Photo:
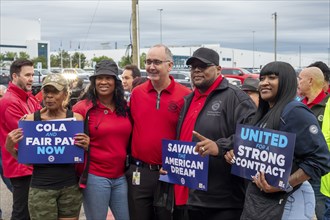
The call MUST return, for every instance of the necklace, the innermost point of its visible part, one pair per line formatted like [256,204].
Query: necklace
[105,112]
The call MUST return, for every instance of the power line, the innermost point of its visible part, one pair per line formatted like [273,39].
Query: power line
[90,25]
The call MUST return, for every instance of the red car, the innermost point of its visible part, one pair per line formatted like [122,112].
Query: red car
[237,73]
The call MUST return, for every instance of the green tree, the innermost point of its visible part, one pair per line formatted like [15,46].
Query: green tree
[55,60]
[23,55]
[75,60]
[98,59]
[125,60]
[41,59]
[143,58]
[10,55]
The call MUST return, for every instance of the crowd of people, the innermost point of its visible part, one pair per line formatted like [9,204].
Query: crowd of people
[126,120]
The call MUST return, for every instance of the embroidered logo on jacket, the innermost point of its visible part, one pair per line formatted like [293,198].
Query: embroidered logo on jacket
[215,109]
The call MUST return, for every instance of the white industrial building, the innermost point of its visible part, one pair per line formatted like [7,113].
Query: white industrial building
[21,35]
[229,57]
[18,35]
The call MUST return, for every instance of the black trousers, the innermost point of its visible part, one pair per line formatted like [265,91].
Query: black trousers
[141,197]
[21,187]
[198,213]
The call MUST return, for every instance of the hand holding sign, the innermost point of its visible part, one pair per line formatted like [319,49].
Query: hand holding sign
[261,182]
[12,139]
[230,157]
[205,146]
[82,140]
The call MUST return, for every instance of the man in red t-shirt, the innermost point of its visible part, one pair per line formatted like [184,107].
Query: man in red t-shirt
[155,107]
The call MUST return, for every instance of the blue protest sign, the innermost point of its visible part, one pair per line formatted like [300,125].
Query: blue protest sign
[47,142]
[260,149]
[184,166]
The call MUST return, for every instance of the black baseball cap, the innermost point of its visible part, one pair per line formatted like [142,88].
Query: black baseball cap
[205,55]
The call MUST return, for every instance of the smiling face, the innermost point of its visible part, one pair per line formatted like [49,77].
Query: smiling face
[203,75]
[158,65]
[268,88]
[24,79]
[104,85]
[52,98]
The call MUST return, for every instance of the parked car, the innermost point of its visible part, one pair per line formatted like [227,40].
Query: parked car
[73,73]
[237,73]
[235,82]
[4,77]
[182,77]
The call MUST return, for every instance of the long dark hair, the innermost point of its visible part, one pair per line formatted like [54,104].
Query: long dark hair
[120,102]
[287,90]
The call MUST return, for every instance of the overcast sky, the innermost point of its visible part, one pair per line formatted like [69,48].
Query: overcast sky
[304,24]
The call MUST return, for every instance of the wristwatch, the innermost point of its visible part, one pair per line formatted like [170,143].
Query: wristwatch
[288,188]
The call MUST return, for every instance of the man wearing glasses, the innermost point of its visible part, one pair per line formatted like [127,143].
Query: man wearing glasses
[212,112]
[155,107]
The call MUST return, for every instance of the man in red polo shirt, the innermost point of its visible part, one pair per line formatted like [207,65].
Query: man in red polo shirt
[311,85]
[155,107]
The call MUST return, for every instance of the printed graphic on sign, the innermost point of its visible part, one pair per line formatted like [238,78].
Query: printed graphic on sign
[47,142]
[259,149]
[184,166]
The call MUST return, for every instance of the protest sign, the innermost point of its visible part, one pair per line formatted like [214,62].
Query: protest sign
[47,142]
[259,149]
[183,165]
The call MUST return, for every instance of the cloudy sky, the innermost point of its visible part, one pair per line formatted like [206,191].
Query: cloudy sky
[99,23]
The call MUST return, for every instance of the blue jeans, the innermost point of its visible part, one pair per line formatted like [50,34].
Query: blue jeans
[102,193]
[327,209]
[319,198]
[301,204]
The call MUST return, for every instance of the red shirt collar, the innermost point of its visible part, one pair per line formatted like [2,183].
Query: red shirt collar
[169,89]
[317,100]
[210,89]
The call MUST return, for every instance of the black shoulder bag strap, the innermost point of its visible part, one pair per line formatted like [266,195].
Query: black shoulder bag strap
[84,175]
[37,116]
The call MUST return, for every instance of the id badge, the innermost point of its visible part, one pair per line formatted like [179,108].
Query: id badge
[136,178]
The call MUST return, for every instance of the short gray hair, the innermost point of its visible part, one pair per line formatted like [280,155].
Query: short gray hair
[168,52]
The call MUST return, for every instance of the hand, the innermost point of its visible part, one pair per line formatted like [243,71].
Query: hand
[230,157]
[82,140]
[162,171]
[260,180]
[12,139]
[205,146]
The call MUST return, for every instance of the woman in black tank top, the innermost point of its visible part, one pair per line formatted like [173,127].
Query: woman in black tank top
[54,191]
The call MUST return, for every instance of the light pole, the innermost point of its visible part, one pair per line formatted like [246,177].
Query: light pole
[275,37]
[253,47]
[160,24]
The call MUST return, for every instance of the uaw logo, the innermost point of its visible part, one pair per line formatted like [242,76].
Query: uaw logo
[215,109]
[182,180]
[51,158]
[173,107]
[313,129]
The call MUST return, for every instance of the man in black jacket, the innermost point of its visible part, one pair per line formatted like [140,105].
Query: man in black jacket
[212,112]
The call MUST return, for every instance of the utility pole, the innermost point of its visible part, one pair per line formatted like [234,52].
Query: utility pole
[275,37]
[135,50]
[299,56]
[253,46]
[160,25]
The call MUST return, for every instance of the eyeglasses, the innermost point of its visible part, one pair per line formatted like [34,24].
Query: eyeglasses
[200,66]
[156,62]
